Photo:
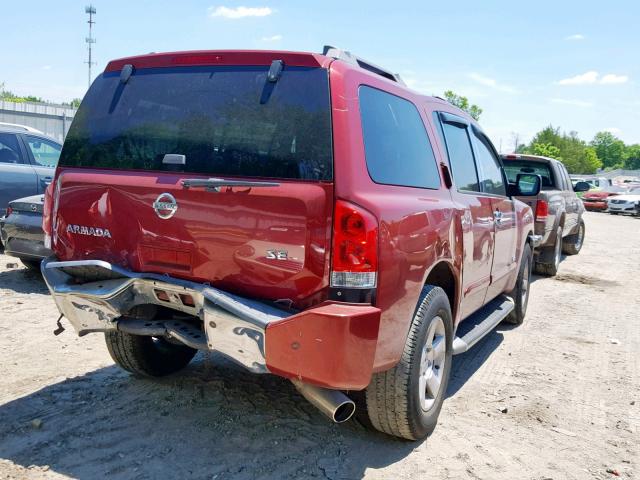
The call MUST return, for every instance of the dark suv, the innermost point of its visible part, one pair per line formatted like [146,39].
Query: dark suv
[27,162]
[306,215]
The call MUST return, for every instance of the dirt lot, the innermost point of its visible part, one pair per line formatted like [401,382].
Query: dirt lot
[558,398]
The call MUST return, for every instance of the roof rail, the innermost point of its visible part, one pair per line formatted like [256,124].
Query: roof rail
[348,57]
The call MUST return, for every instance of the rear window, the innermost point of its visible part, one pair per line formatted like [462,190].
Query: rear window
[225,120]
[513,167]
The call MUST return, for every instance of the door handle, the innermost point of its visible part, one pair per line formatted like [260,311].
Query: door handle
[46,181]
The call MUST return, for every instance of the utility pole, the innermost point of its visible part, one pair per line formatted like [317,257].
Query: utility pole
[91,10]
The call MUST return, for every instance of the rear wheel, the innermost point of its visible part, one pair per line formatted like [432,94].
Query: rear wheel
[573,243]
[520,294]
[147,356]
[405,401]
[551,269]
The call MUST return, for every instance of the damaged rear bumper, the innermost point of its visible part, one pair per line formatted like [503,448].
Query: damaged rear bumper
[331,345]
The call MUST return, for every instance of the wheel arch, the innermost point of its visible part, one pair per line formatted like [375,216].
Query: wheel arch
[442,275]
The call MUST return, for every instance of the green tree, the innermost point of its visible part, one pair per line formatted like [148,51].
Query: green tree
[591,163]
[610,149]
[75,103]
[632,157]
[463,104]
[576,155]
[544,150]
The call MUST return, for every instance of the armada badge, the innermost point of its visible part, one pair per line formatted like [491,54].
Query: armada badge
[165,206]
[89,231]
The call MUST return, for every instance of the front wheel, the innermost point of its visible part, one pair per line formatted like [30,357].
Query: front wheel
[573,243]
[405,401]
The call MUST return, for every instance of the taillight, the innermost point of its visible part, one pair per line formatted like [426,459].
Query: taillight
[542,210]
[9,212]
[47,208]
[355,247]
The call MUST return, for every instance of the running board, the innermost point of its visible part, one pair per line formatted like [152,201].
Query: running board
[479,324]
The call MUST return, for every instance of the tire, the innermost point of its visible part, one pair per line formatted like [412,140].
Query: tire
[551,269]
[33,265]
[614,213]
[393,398]
[573,243]
[520,294]
[147,356]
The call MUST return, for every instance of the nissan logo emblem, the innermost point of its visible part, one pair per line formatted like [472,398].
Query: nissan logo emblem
[165,206]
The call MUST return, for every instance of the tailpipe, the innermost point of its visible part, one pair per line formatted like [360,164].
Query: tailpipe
[333,403]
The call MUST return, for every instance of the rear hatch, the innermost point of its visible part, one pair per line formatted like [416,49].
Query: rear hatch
[209,173]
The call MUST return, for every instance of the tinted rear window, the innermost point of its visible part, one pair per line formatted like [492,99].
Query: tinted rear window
[397,148]
[513,167]
[225,120]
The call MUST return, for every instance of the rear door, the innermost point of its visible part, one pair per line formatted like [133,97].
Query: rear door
[17,177]
[134,188]
[493,184]
[477,213]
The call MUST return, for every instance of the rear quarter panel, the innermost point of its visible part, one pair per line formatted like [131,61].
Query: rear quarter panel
[417,226]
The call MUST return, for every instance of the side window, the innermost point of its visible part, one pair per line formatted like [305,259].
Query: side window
[45,153]
[10,149]
[397,148]
[491,179]
[463,167]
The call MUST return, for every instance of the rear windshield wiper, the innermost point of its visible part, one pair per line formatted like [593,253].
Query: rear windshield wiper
[216,183]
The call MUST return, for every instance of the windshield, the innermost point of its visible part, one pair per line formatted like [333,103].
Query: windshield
[224,120]
[513,167]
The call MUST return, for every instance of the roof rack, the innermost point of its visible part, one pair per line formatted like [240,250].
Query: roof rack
[348,57]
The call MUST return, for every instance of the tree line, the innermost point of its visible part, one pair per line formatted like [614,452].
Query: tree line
[604,151]
[12,97]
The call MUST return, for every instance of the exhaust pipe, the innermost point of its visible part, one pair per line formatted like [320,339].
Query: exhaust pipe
[333,403]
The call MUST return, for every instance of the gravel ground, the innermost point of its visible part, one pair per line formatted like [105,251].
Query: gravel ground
[557,398]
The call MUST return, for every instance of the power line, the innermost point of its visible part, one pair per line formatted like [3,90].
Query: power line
[91,10]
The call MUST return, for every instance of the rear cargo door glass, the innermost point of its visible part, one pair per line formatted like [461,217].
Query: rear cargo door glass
[225,120]
[513,167]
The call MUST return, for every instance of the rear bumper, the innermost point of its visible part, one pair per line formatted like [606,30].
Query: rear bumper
[23,237]
[595,206]
[332,345]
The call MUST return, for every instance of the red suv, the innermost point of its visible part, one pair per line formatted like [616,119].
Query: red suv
[305,215]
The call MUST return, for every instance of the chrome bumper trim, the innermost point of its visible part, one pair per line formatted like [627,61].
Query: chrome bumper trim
[233,325]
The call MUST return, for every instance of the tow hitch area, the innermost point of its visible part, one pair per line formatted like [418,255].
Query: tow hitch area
[184,332]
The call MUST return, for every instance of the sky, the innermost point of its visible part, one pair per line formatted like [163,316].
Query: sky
[572,64]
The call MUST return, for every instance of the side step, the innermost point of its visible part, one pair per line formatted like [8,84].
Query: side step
[479,324]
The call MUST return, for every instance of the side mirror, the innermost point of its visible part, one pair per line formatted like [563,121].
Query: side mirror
[581,187]
[528,184]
